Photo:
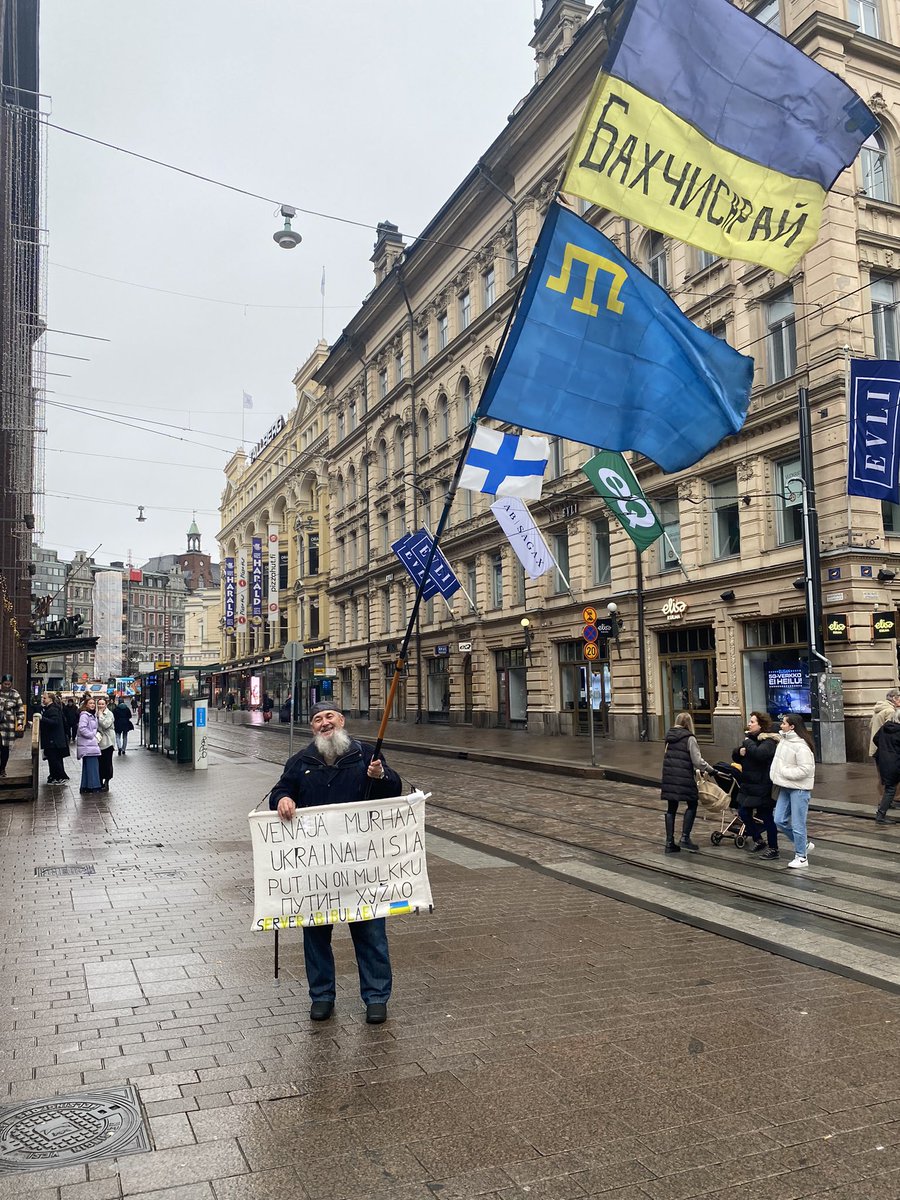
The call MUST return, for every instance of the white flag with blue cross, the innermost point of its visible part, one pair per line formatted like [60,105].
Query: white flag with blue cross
[505,465]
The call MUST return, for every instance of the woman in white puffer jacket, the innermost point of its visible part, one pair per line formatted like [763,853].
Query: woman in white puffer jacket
[793,772]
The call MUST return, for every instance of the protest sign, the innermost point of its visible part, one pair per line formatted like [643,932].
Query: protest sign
[339,863]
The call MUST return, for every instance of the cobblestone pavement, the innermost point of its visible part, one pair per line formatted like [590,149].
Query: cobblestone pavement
[543,1041]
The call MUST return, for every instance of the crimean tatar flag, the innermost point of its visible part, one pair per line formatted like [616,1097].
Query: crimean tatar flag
[601,354]
[707,125]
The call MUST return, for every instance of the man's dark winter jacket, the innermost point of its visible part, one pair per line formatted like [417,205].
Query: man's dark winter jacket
[887,756]
[53,730]
[756,783]
[310,782]
[678,780]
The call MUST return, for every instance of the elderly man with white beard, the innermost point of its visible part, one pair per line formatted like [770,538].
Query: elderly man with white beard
[335,769]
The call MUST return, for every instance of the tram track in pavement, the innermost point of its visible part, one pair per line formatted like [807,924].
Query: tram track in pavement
[843,909]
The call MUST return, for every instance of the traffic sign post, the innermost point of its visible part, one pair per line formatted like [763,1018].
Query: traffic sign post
[591,633]
[292,651]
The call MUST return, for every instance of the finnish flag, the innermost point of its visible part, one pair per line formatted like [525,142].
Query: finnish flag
[505,465]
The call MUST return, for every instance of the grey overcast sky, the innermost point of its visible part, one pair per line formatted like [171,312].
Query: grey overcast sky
[368,109]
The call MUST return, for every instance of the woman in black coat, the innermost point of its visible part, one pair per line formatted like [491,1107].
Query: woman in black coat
[755,755]
[682,758]
[54,737]
[123,724]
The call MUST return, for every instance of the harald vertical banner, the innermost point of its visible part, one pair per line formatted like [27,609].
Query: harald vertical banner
[256,580]
[242,564]
[229,595]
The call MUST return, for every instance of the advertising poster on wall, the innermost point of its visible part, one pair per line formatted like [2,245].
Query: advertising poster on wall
[787,688]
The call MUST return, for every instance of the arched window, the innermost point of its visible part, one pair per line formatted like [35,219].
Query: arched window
[657,262]
[443,419]
[424,432]
[351,484]
[465,398]
[339,490]
[874,163]
[382,459]
[399,450]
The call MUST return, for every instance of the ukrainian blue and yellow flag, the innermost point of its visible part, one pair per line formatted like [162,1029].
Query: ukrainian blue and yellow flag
[706,125]
[601,354]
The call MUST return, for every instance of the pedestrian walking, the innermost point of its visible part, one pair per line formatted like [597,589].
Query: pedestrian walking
[71,714]
[106,725]
[794,774]
[123,724]
[87,747]
[887,760]
[229,702]
[335,769]
[887,709]
[681,759]
[54,737]
[267,705]
[756,804]
[12,719]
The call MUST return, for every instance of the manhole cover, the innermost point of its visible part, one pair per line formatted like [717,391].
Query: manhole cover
[71,1129]
[63,869]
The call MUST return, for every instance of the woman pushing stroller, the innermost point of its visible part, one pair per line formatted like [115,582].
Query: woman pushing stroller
[756,806]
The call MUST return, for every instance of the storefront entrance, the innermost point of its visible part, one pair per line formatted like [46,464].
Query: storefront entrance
[578,680]
[688,668]
[439,689]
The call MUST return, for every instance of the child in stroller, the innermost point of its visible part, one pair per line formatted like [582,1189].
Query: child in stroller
[727,777]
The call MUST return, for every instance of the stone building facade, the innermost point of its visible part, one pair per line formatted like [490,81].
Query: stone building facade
[714,616]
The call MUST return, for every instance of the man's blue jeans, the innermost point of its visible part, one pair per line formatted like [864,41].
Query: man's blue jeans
[372,960]
[790,816]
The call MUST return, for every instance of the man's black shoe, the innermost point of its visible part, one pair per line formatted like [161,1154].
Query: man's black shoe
[881,819]
[321,1010]
[376,1014]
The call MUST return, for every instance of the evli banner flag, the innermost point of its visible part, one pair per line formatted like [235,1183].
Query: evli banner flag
[709,126]
[524,536]
[413,550]
[615,481]
[601,354]
[873,458]
[340,863]
[504,464]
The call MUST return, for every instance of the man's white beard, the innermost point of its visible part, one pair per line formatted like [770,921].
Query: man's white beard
[334,747]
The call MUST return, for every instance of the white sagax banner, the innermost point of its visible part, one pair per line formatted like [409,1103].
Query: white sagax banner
[524,536]
[340,863]
[272,599]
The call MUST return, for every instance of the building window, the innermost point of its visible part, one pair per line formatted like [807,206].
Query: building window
[471,568]
[313,554]
[497,581]
[873,161]
[489,285]
[520,582]
[602,559]
[465,309]
[561,570]
[382,459]
[706,258]
[351,412]
[726,518]
[781,337]
[443,328]
[382,383]
[789,511]
[351,551]
[769,14]
[465,398]
[424,432]
[657,262]
[400,366]
[556,464]
[399,450]
[385,533]
[890,517]
[443,419]
[341,425]
[864,13]
[883,294]
[423,347]
[351,484]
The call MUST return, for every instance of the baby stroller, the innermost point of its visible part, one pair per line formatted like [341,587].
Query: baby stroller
[718,795]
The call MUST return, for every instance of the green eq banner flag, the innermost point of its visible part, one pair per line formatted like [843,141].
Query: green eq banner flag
[616,483]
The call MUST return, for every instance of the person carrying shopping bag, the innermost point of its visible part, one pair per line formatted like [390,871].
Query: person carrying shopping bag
[793,772]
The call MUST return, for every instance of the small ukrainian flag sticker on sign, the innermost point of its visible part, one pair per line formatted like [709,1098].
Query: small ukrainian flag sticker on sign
[399,907]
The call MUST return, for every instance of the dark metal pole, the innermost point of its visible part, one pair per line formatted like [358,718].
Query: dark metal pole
[643,730]
[811,561]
